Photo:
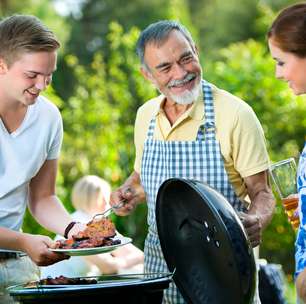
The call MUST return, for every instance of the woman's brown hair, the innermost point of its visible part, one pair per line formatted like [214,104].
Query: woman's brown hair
[288,31]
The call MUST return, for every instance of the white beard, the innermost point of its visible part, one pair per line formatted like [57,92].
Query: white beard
[187,97]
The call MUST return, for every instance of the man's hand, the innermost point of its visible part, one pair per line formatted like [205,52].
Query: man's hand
[36,246]
[252,226]
[262,206]
[131,193]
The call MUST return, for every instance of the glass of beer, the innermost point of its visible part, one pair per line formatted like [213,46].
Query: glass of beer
[283,174]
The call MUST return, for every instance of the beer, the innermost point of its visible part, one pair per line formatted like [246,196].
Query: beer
[283,174]
[290,204]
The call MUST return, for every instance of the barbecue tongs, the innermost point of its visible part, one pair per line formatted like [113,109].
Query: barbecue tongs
[111,209]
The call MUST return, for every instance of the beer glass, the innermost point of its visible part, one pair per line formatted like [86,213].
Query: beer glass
[283,174]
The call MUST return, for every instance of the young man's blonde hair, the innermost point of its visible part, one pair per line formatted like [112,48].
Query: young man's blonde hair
[89,191]
[24,34]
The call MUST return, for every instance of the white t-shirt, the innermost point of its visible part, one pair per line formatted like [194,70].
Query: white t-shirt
[22,154]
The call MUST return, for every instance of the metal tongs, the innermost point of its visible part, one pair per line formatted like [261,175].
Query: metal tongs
[111,209]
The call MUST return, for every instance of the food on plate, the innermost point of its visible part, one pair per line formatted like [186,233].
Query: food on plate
[98,228]
[99,232]
[62,280]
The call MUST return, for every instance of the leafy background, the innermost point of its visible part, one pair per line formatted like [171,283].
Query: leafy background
[98,89]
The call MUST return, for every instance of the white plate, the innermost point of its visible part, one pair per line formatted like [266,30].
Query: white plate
[95,250]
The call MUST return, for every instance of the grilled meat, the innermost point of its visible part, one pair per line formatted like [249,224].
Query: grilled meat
[103,228]
[62,280]
[97,233]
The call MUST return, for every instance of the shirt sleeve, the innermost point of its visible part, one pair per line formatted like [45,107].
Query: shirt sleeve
[250,155]
[300,253]
[56,141]
[300,244]
[139,142]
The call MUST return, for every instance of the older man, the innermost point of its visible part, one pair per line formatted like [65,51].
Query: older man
[193,130]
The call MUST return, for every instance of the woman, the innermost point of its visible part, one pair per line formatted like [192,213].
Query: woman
[287,43]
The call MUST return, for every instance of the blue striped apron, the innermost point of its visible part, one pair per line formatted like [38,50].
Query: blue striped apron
[200,160]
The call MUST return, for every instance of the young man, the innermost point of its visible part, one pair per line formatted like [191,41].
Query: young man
[30,140]
[196,131]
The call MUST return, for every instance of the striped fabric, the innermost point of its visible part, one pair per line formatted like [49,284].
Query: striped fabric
[200,160]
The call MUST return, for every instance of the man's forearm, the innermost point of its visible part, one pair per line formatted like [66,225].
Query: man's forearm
[263,205]
[10,239]
[262,199]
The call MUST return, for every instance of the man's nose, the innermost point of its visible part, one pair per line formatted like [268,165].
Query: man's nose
[179,71]
[42,82]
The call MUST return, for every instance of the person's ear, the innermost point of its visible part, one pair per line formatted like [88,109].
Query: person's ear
[3,66]
[147,74]
[196,49]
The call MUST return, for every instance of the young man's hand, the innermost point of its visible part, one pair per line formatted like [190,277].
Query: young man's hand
[37,248]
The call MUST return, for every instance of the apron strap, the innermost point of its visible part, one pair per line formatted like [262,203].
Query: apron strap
[207,130]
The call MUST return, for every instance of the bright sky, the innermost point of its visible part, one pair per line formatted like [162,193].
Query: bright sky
[65,7]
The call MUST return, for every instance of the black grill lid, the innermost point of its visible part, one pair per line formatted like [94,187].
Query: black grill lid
[203,239]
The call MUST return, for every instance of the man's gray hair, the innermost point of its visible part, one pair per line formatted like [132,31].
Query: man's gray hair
[157,33]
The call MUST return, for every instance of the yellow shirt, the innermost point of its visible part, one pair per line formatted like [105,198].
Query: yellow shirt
[238,131]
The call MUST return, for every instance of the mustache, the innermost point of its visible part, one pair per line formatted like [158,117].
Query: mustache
[177,82]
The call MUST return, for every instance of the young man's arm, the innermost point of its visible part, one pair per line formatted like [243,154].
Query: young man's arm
[49,212]
[43,202]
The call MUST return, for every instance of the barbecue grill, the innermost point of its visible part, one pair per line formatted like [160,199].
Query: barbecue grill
[130,289]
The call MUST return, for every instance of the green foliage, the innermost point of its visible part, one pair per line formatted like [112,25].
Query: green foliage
[91,28]
[222,22]
[290,292]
